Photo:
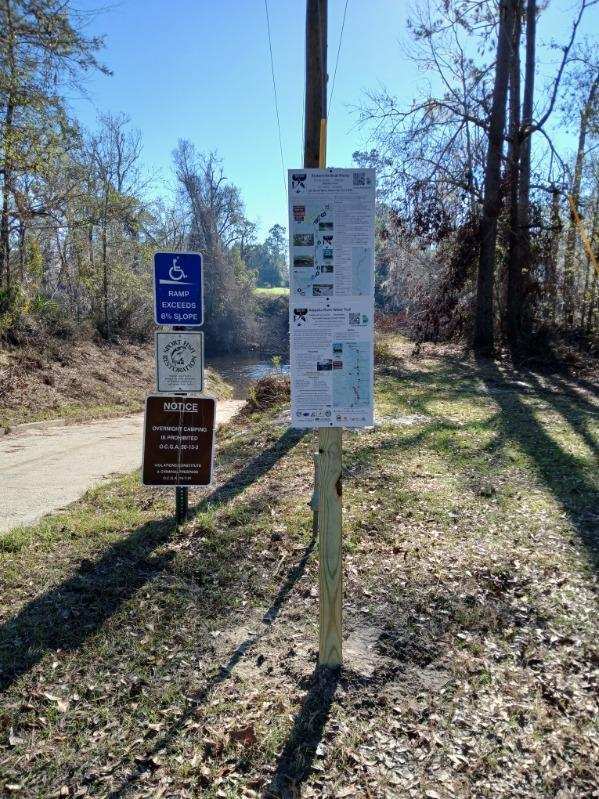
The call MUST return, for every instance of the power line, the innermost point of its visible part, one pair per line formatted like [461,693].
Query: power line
[337,59]
[274,86]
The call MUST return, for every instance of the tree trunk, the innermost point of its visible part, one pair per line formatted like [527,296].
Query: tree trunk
[518,315]
[524,260]
[6,181]
[22,233]
[513,167]
[483,332]
[592,304]
[7,147]
[551,277]
[588,300]
[105,280]
[90,242]
[570,253]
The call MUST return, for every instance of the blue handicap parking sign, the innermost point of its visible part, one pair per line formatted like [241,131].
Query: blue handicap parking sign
[178,296]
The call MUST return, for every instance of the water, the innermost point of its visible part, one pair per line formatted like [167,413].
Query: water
[240,371]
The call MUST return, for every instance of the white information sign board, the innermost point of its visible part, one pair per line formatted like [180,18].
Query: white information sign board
[331,296]
[179,362]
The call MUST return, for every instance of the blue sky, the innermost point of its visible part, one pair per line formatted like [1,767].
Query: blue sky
[200,69]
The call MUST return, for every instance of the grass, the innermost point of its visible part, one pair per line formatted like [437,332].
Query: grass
[137,660]
[71,412]
[131,400]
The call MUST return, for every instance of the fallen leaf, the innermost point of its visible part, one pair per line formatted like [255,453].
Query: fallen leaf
[14,740]
[244,735]
[155,727]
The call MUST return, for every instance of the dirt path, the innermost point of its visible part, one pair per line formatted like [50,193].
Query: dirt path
[43,470]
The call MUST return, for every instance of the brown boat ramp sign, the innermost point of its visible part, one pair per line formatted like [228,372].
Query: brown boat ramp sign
[178,441]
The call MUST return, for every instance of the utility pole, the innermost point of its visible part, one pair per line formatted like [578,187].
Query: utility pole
[328,464]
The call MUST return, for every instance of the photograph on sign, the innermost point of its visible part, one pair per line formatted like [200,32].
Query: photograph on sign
[331,306]
[178,289]
[179,361]
[178,441]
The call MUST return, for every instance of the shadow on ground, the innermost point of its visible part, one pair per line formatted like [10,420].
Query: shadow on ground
[223,673]
[64,617]
[297,757]
[560,471]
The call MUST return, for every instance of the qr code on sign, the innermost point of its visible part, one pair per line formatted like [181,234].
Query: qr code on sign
[354,319]
[359,178]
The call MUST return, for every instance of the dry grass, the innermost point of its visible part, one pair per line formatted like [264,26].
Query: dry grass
[139,661]
[269,391]
[79,380]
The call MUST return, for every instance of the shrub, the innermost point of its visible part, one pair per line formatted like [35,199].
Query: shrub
[274,389]
[13,311]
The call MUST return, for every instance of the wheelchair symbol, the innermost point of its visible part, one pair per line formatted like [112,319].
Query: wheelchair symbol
[176,272]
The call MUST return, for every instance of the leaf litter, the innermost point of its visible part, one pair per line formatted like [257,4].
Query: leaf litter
[185,665]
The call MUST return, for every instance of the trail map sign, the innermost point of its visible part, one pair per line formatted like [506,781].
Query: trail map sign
[178,441]
[180,362]
[331,296]
[178,296]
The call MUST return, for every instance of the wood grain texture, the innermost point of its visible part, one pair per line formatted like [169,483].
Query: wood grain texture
[330,542]
[314,501]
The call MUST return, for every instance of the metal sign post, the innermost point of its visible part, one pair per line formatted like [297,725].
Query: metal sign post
[178,451]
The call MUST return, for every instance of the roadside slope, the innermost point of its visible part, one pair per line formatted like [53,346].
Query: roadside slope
[79,380]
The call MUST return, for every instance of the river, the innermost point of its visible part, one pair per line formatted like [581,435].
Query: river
[240,371]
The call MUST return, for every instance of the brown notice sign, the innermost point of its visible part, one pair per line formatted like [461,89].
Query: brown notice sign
[178,441]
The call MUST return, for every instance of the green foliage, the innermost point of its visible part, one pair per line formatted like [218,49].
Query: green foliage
[20,315]
[34,261]
[269,260]
[13,306]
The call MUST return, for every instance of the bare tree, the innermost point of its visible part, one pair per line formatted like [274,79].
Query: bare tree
[41,47]
[483,326]
[216,223]
[588,112]
[114,154]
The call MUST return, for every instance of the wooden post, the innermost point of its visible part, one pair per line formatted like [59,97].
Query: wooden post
[330,546]
[328,464]
[315,501]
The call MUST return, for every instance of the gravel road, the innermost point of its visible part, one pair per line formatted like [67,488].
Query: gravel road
[43,470]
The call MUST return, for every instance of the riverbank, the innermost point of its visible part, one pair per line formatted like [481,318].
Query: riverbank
[139,661]
[86,378]
[80,380]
